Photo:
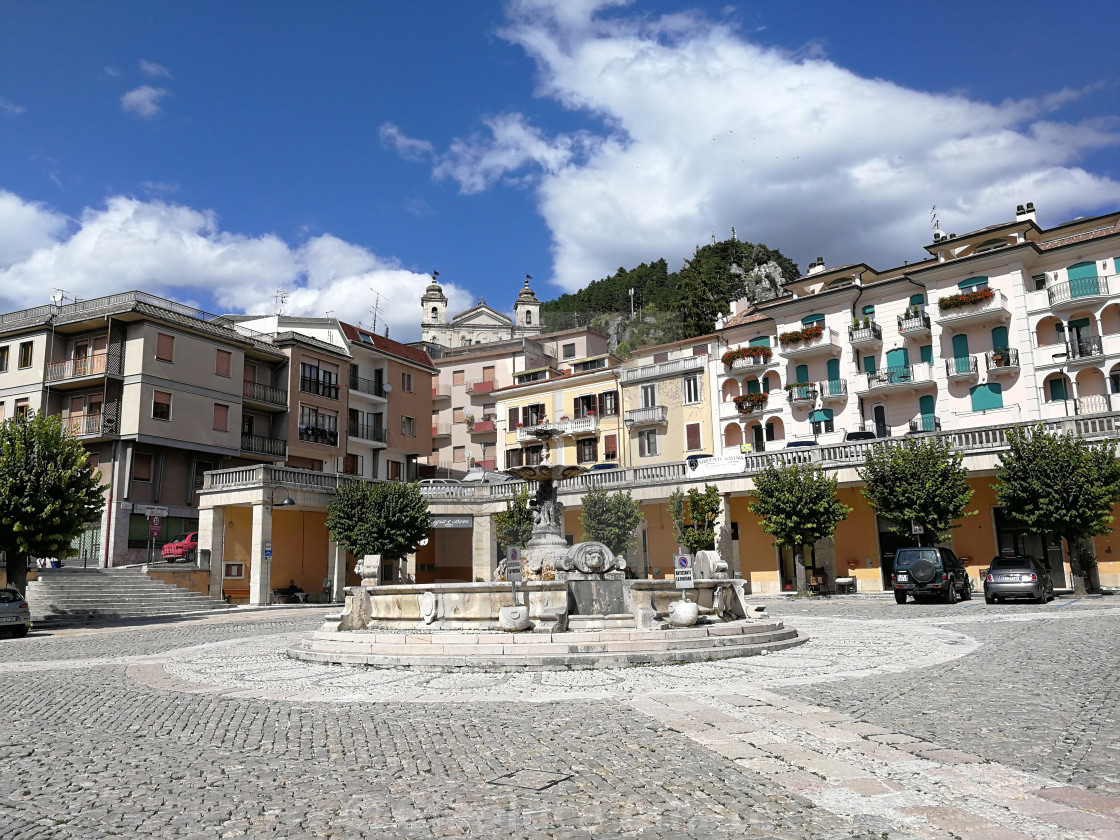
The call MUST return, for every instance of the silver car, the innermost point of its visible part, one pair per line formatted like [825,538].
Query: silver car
[15,615]
[1018,577]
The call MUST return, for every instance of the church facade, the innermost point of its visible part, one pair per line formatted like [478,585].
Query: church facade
[481,324]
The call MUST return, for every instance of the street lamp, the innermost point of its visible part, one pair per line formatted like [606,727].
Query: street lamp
[287,501]
[1061,359]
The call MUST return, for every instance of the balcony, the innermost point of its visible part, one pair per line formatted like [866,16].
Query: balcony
[1083,290]
[441,430]
[925,423]
[914,325]
[987,307]
[674,367]
[869,336]
[441,392]
[481,427]
[827,343]
[260,445]
[1094,404]
[833,390]
[962,367]
[78,368]
[483,387]
[1088,349]
[367,387]
[802,394]
[83,425]
[266,394]
[1000,362]
[900,378]
[319,435]
[318,387]
[486,464]
[654,414]
[367,431]
[749,403]
[566,428]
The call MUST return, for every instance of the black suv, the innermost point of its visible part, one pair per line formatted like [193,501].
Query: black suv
[929,571]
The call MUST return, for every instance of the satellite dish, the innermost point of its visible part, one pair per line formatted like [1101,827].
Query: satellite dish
[388,389]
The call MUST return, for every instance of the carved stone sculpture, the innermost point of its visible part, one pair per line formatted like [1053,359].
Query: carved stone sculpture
[429,606]
[591,558]
[368,568]
[683,613]
[513,619]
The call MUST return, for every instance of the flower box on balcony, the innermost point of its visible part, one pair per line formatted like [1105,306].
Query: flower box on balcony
[731,356]
[797,336]
[747,403]
[958,301]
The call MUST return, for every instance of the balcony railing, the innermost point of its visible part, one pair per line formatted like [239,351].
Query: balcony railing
[579,426]
[74,368]
[1074,290]
[482,427]
[827,342]
[645,416]
[264,393]
[913,324]
[317,434]
[483,387]
[961,366]
[754,362]
[260,445]
[833,388]
[1006,360]
[373,387]
[802,394]
[367,431]
[441,429]
[871,334]
[994,307]
[1094,404]
[925,423]
[83,425]
[899,376]
[440,392]
[1085,348]
[673,367]
[318,387]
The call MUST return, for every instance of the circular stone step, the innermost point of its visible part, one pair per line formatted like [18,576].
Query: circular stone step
[582,650]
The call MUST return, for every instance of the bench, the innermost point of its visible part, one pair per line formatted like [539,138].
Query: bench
[846,586]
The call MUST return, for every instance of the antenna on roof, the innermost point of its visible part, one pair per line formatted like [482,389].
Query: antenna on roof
[375,310]
[58,296]
[279,299]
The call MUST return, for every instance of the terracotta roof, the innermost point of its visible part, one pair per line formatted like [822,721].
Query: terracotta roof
[748,316]
[1108,230]
[386,345]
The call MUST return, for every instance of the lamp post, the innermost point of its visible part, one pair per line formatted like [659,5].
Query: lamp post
[1061,359]
[287,501]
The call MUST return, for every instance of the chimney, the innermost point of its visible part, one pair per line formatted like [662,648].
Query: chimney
[1025,213]
[816,266]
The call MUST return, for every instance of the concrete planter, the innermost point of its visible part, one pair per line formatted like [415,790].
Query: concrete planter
[683,613]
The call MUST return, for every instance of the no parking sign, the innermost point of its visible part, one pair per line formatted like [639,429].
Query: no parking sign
[513,564]
[682,571]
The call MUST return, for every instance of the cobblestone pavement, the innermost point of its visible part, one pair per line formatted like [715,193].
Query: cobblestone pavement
[204,729]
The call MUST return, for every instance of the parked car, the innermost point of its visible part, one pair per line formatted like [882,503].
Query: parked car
[15,614]
[608,465]
[932,572]
[181,547]
[794,444]
[1018,577]
[859,435]
[479,476]
[441,487]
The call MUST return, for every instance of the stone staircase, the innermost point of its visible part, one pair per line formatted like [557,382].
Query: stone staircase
[64,596]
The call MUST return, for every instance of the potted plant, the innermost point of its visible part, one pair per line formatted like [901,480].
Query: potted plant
[469,420]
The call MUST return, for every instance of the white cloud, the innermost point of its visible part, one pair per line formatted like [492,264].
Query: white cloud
[9,107]
[182,253]
[150,68]
[143,100]
[703,130]
[407,147]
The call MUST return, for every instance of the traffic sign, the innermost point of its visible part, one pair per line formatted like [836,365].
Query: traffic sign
[268,549]
[154,526]
[513,564]
[915,528]
[682,572]
[150,510]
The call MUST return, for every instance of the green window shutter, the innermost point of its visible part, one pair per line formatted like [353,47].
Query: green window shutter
[764,341]
[752,386]
[1057,389]
[985,397]
[972,283]
[960,346]
[1082,271]
[899,357]
[927,352]
[869,311]
[1079,324]
[802,373]
[820,415]
[925,405]
[812,319]
[766,385]
[999,338]
[869,364]
[917,300]
[832,368]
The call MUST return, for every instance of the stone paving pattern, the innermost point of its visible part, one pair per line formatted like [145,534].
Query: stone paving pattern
[205,729]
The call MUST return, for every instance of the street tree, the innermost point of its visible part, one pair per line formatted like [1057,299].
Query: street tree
[49,492]
[694,517]
[797,505]
[917,481]
[1060,484]
[514,525]
[611,518]
[389,518]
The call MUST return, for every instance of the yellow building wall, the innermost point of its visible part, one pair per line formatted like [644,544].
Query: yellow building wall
[758,559]
[300,545]
[238,549]
[857,541]
[1108,554]
[975,540]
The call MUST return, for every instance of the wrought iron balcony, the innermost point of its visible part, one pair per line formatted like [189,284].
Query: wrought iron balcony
[264,393]
[93,365]
[260,445]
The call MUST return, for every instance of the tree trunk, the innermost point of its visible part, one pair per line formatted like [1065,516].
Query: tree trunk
[17,571]
[799,568]
[1076,573]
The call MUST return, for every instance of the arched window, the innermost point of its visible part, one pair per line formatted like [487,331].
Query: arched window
[435,313]
[528,317]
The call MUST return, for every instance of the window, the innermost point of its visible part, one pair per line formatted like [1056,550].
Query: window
[406,382]
[1039,281]
[587,450]
[458,415]
[570,351]
[394,470]
[514,458]
[233,570]
[317,426]
[4,359]
[647,443]
[23,406]
[222,363]
[692,436]
[700,350]
[459,377]
[528,317]
[660,358]
[142,466]
[822,421]
[585,405]
[221,417]
[532,415]
[810,320]
[458,454]
[165,347]
[161,405]
[869,311]
[972,284]
[985,397]
[25,354]
[608,403]
[692,389]
[649,396]
[533,455]
[610,447]
[512,419]
[590,364]
[408,426]
[352,464]
[488,373]
[319,378]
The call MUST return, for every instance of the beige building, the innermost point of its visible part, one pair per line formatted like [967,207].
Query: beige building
[481,324]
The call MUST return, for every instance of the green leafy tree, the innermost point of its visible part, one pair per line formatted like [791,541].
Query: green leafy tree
[611,518]
[1060,484]
[694,517]
[797,505]
[389,518]
[49,493]
[514,525]
[920,481]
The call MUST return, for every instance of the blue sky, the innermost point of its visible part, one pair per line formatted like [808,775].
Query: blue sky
[216,152]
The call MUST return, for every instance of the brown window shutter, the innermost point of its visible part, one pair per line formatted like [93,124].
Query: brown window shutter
[511,421]
[692,431]
[165,345]
[641,446]
[594,449]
